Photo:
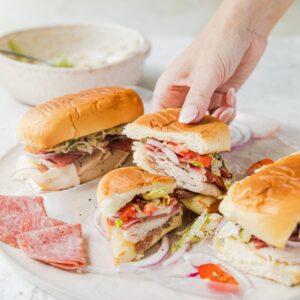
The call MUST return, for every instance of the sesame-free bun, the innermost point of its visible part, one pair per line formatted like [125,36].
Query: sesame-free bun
[267,204]
[210,135]
[120,186]
[76,115]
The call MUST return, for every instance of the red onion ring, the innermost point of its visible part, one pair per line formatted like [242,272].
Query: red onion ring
[172,259]
[293,244]
[149,261]
[97,223]
[260,126]
[240,134]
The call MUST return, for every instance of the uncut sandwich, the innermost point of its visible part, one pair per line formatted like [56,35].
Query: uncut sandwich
[187,152]
[76,138]
[137,210]
[262,234]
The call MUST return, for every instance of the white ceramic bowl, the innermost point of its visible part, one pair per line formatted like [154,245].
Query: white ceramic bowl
[103,54]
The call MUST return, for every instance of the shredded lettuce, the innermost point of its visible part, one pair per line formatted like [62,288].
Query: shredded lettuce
[87,143]
[234,231]
[158,194]
[216,164]
[203,227]
[228,182]
[118,223]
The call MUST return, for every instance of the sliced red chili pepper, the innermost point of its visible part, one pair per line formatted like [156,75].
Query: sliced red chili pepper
[258,165]
[215,274]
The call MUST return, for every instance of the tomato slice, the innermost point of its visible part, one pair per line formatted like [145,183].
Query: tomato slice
[258,165]
[128,212]
[215,273]
[192,156]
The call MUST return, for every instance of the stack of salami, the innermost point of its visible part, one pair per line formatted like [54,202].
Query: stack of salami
[24,224]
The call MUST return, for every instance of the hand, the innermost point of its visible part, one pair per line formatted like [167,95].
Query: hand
[205,75]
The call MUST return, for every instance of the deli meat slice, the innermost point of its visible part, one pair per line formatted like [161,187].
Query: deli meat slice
[12,210]
[61,246]
[37,222]
[63,159]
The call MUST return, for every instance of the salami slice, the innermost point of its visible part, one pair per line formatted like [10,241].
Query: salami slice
[37,222]
[12,209]
[61,246]
[63,159]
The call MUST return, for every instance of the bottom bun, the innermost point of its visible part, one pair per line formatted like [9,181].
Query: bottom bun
[125,251]
[201,203]
[249,260]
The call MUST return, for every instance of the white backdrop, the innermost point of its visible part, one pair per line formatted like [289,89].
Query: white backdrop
[149,16]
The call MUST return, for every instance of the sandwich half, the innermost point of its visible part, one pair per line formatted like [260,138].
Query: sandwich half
[187,152]
[76,138]
[262,234]
[137,210]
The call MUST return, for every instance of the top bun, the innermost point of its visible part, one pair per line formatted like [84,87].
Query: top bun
[267,204]
[120,186]
[76,115]
[208,136]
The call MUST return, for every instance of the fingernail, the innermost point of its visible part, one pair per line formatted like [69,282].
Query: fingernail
[227,114]
[218,112]
[230,97]
[188,113]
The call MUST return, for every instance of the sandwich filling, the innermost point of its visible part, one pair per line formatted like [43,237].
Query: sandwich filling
[188,168]
[76,156]
[141,219]
[77,149]
[234,231]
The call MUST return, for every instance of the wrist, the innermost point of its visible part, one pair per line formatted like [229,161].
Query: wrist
[255,16]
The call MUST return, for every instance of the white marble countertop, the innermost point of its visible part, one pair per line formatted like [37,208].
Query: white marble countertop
[273,90]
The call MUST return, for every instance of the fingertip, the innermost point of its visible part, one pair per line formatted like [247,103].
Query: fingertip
[191,113]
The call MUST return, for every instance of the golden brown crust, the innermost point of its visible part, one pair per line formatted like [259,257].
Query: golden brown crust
[125,179]
[75,115]
[208,136]
[267,203]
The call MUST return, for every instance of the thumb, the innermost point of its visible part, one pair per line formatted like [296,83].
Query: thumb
[197,102]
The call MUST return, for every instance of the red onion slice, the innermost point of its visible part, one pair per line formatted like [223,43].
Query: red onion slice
[293,244]
[172,259]
[149,261]
[260,126]
[240,134]
[97,223]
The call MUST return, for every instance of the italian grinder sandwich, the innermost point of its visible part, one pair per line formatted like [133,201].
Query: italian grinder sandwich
[136,210]
[76,138]
[262,235]
[187,152]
